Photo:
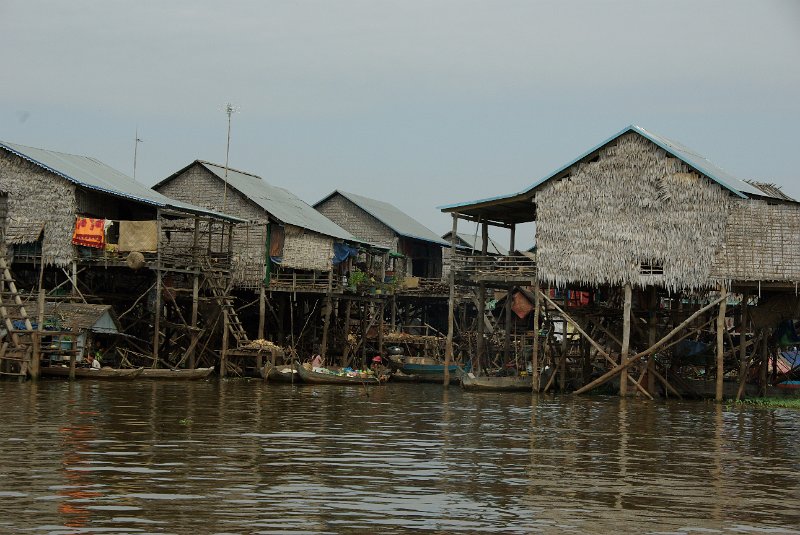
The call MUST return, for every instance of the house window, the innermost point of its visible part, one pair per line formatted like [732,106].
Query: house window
[651,267]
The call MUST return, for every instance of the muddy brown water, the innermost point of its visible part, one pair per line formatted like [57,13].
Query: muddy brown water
[241,456]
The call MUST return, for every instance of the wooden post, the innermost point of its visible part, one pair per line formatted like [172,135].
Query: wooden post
[381,312]
[262,310]
[626,339]
[480,343]
[649,351]
[721,343]
[346,347]
[195,306]
[223,364]
[651,339]
[535,353]
[451,303]
[507,339]
[157,320]
[743,328]
[394,313]
[74,291]
[366,309]
[562,361]
[764,363]
[326,318]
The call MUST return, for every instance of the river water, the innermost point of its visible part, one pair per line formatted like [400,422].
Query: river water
[241,456]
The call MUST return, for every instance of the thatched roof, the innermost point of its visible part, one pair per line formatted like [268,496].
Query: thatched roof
[517,207]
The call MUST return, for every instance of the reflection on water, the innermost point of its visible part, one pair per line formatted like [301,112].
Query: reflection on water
[244,457]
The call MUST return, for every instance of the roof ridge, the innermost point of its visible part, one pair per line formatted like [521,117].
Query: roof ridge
[206,162]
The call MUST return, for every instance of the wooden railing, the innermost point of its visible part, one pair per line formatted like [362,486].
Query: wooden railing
[494,266]
[310,281]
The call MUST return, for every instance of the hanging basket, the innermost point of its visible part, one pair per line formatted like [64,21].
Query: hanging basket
[135,260]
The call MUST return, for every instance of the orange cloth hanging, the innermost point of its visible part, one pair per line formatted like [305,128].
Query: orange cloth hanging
[89,232]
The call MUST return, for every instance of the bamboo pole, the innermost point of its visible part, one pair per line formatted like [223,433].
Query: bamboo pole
[451,303]
[626,339]
[721,344]
[652,325]
[195,307]
[652,349]
[535,352]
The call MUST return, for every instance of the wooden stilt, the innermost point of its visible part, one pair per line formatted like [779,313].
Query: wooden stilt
[223,363]
[535,352]
[480,342]
[626,339]
[262,310]
[618,369]
[721,344]
[346,346]
[652,325]
[381,313]
[562,360]
[448,351]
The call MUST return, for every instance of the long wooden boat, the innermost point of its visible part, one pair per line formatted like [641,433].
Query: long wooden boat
[280,373]
[176,374]
[491,383]
[428,370]
[312,377]
[89,373]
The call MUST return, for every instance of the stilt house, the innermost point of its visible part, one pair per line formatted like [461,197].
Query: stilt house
[417,250]
[647,223]
[76,228]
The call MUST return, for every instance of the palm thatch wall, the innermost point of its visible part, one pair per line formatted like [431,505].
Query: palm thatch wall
[762,243]
[632,207]
[38,199]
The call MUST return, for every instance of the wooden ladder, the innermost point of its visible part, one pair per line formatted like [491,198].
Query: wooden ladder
[14,357]
[216,280]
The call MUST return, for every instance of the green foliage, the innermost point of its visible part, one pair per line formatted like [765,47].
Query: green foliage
[783,403]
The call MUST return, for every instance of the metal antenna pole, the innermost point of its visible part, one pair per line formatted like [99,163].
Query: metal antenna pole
[229,110]
[135,151]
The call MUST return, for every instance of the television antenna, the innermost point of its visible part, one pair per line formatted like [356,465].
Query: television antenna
[230,109]
[136,150]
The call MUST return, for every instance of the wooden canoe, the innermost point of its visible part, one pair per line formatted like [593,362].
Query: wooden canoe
[176,374]
[496,384]
[280,373]
[309,376]
[427,370]
[89,373]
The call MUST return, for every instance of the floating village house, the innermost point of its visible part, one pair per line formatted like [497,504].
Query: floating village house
[669,246]
[414,263]
[285,247]
[76,229]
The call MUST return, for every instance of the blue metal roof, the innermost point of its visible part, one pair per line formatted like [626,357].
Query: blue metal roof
[400,222]
[281,203]
[93,174]
[737,186]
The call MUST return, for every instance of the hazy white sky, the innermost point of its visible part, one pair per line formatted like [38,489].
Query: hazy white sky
[419,103]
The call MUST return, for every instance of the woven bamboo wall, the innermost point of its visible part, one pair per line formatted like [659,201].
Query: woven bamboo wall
[762,243]
[37,198]
[307,250]
[634,205]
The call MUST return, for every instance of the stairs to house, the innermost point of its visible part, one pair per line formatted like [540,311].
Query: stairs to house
[17,344]
[218,281]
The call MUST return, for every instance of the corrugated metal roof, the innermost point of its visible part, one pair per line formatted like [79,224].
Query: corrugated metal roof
[771,190]
[93,174]
[401,223]
[279,202]
[735,185]
[475,242]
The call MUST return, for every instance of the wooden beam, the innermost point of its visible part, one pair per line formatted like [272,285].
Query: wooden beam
[451,303]
[721,344]
[535,352]
[611,373]
[626,338]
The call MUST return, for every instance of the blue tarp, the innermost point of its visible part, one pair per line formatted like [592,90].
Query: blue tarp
[342,251]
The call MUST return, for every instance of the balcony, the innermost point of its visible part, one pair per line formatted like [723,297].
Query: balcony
[515,269]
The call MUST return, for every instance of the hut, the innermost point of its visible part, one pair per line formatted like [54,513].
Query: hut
[80,230]
[645,223]
[283,248]
[414,263]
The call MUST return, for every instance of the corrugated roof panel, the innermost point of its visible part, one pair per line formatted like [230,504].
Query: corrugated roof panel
[280,203]
[93,174]
[392,217]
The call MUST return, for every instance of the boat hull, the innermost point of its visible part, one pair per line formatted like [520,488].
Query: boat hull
[282,373]
[312,377]
[178,375]
[497,384]
[110,374]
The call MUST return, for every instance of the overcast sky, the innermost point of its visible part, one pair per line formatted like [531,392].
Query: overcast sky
[419,103]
